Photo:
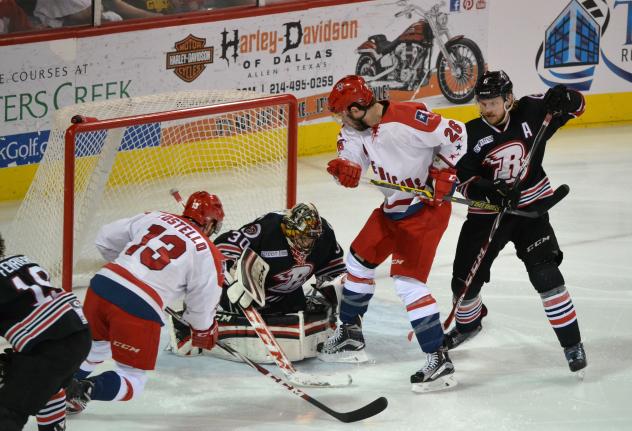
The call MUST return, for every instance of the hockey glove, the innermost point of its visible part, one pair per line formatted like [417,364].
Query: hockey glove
[346,172]
[5,363]
[498,192]
[558,100]
[207,338]
[180,337]
[444,184]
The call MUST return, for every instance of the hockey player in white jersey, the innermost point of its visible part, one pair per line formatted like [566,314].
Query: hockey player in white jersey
[403,143]
[154,259]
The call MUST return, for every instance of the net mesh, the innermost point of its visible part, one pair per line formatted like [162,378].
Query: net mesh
[242,156]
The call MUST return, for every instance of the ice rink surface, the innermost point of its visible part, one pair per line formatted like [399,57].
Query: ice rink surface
[513,376]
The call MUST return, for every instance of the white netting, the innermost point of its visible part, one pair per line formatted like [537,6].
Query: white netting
[241,156]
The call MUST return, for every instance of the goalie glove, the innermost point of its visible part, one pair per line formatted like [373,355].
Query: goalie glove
[252,286]
[238,295]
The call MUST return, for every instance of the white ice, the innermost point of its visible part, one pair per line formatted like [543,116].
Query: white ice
[513,376]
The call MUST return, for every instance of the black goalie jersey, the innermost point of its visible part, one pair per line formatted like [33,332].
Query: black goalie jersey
[287,273]
[498,152]
[31,309]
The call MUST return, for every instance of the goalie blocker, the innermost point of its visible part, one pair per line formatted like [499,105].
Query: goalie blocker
[298,333]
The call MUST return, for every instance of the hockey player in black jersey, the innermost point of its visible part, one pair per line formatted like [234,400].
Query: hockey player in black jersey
[49,337]
[498,142]
[297,244]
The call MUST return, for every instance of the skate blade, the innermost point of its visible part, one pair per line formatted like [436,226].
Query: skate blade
[347,357]
[442,383]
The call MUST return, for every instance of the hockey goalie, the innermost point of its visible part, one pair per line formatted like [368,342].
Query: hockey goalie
[269,265]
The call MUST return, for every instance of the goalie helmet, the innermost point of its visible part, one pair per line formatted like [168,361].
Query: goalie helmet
[205,209]
[493,84]
[350,90]
[302,226]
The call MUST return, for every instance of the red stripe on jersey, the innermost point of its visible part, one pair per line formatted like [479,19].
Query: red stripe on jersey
[119,270]
[424,301]
[406,113]
[34,315]
[42,327]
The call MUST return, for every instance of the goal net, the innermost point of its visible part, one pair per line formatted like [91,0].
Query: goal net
[128,155]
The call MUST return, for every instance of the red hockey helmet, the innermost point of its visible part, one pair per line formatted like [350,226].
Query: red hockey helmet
[352,89]
[204,209]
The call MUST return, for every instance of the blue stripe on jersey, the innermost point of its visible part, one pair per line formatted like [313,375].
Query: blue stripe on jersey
[124,298]
[412,209]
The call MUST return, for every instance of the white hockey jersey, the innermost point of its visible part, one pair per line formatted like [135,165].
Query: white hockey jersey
[401,149]
[160,257]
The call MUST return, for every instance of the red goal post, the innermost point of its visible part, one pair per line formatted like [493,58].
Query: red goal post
[240,145]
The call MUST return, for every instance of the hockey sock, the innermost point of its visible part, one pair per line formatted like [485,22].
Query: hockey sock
[429,332]
[353,305]
[107,386]
[53,413]
[560,311]
[82,374]
[468,314]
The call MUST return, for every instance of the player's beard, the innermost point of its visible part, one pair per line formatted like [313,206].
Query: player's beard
[358,124]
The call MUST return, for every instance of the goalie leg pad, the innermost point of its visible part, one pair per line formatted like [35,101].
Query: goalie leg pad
[298,334]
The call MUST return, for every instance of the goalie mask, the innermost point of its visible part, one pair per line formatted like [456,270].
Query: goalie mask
[302,226]
[206,210]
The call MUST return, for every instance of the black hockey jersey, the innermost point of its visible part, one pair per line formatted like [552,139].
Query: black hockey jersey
[31,309]
[287,273]
[498,152]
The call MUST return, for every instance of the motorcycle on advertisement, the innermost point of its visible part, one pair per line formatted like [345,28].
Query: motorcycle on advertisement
[406,62]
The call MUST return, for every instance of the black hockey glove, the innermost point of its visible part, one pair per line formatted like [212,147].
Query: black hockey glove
[498,192]
[558,100]
[5,363]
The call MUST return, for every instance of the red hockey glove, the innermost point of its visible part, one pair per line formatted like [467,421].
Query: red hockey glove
[346,172]
[444,183]
[206,338]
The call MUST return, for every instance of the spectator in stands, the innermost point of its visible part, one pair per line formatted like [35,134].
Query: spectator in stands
[12,17]
[79,12]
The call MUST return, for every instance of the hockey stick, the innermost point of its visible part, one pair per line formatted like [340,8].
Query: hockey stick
[426,194]
[254,271]
[497,220]
[371,409]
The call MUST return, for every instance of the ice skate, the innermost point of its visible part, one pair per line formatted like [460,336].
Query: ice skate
[78,395]
[436,375]
[576,357]
[454,337]
[346,344]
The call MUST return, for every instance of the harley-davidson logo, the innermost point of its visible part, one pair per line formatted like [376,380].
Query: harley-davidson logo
[190,58]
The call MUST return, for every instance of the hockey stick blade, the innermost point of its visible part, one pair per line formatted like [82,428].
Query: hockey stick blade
[300,378]
[362,413]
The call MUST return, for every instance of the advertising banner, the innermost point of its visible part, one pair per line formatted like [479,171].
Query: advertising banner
[584,44]
[400,47]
